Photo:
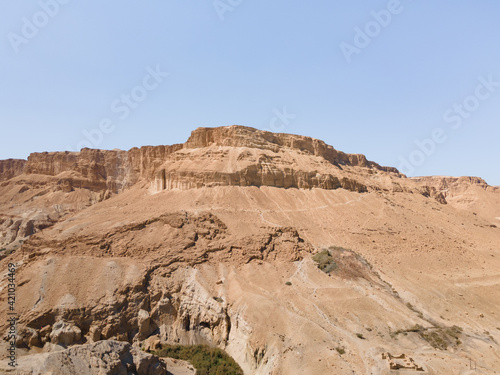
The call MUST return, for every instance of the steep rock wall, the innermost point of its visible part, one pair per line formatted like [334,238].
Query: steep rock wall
[241,136]
[11,168]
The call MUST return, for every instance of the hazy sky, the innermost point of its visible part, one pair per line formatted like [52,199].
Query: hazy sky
[411,84]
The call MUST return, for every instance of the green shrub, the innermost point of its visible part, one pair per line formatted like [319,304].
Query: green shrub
[360,336]
[325,261]
[205,359]
[288,283]
[340,350]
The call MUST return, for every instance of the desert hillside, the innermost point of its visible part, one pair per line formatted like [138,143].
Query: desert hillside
[219,241]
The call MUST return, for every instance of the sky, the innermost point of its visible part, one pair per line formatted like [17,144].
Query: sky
[410,84]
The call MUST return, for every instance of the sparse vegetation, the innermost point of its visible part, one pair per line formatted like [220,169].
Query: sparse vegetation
[288,283]
[6,251]
[325,261]
[412,308]
[437,337]
[360,336]
[218,299]
[345,263]
[340,350]
[206,360]
[416,328]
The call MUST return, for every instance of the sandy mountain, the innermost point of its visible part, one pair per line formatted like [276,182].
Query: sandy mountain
[215,241]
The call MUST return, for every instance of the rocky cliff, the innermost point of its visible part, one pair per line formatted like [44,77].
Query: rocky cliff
[11,168]
[215,241]
[55,184]
[467,193]
[116,170]
[97,170]
[241,136]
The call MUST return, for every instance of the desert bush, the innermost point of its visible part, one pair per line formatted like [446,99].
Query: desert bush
[414,309]
[288,283]
[205,359]
[325,261]
[340,350]
[437,337]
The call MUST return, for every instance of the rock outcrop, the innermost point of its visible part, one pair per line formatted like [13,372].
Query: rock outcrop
[99,170]
[255,175]
[103,357]
[11,168]
[65,333]
[242,136]
[52,185]
[115,170]
[211,242]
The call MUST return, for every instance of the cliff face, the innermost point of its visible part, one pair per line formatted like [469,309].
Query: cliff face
[11,168]
[467,193]
[55,184]
[255,175]
[49,186]
[116,170]
[241,136]
[185,251]
[251,157]
[97,170]
[453,184]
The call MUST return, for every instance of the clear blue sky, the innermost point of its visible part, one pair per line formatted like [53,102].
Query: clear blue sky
[68,68]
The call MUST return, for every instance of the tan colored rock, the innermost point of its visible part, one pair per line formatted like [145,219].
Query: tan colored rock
[65,333]
[143,322]
[11,168]
[152,343]
[103,357]
[94,333]
[139,244]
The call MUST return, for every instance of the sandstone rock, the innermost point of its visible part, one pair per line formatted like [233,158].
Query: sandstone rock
[11,168]
[143,321]
[242,136]
[115,170]
[45,333]
[28,337]
[26,229]
[151,343]
[122,337]
[65,333]
[147,364]
[94,333]
[103,357]
[142,263]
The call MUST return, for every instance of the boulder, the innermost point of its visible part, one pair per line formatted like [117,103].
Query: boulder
[65,333]
[152,343]
[143,321]
[100,358]
[94,334]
